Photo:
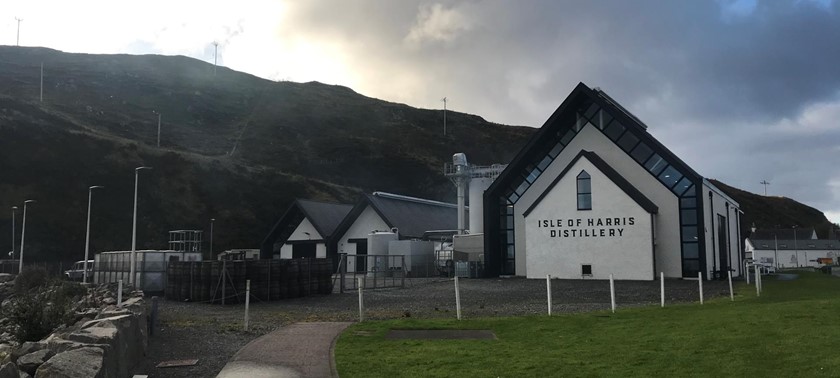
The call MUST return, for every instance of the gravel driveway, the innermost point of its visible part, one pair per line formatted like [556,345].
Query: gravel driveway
[213,333]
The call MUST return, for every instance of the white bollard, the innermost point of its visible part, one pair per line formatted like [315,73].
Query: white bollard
[662,288]
[457,299]
[757,281]
[731,293]
[361,300]
[548,291]
[747,269]
[700,280]
[247,301]
[119,292]
[612,293]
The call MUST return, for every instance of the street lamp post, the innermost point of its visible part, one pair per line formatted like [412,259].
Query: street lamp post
[87,232]
[133,262]
[13,232]
[211,237]
[23,234]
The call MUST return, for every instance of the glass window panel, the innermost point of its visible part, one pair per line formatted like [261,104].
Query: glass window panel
[688,202]
[584,185]
[512,198]
[544,163]
[592,110]
[509,236]
[684,184]
[522,188]
[691,251]
[511,251]
[689,233]
[690,192]
[688,217]
[507,222]
[641,153]
[628,141]
[567,137]
[510,267]
[601,119]
[691,267]
[531,177]
[670,176]
[655,164]
[584,202]
[556,150]
[614,130]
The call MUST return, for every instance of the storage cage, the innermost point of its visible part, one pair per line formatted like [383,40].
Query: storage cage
[150,270]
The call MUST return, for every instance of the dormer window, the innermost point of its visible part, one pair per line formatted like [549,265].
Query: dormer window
[584,191]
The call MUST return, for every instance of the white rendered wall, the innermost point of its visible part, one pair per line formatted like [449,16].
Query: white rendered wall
[367,222]
[625,250]
[668,249]
[711,224]
[298,234]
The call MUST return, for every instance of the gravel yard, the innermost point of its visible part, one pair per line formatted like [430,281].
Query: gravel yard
[213,333]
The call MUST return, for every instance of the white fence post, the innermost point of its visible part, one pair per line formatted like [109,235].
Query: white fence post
[119,292]
[457,299]
[731,293]
[548,291]
[662,288]
[247,301]
[361,300]
[700,282]
[612,293]
[747,269]
[757,280]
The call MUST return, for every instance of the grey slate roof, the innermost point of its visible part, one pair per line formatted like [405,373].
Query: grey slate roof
[782,233]
[411,216]
[801,245]
[323,215]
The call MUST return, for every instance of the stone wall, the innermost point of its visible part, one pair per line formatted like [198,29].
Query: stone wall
[105,342]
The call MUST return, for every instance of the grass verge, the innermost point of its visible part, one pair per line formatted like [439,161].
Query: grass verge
[791,330]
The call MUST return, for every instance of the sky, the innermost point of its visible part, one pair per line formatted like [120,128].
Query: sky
[741,90]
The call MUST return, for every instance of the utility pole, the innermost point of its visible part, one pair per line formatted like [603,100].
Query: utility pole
[215,56]
[765,183]
[18,31]
[444,116]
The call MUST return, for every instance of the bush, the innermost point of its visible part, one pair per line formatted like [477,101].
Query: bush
[42,309]
[30,278]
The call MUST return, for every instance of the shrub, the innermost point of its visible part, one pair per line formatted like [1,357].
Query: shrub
[42,309]
[30,278]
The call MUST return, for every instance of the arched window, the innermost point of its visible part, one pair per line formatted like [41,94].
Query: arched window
[584,191]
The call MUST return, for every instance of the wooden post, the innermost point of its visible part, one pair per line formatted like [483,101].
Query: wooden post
[224,280]
[457,299]
[731,294]
[612,292]
[548,291]
[700,282]
[662,288]
[247,301]
[361,300]
[119,292]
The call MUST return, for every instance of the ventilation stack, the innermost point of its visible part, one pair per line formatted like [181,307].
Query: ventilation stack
[478,179]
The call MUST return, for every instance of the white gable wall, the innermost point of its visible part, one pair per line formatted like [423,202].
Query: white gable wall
[298,234]
[555,247]
[367,222]
[668,249]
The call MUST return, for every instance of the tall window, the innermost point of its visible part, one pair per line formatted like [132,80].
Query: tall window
[584,191]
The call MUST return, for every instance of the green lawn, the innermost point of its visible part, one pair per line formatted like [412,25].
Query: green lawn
[793,329]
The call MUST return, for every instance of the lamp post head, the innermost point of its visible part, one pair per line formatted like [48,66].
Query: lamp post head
[14,207]
[138,169]
[28,201]
[96,187]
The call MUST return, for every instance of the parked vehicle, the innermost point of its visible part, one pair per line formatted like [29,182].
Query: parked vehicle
[77,271]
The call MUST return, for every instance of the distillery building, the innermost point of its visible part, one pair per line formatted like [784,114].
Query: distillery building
[593,193]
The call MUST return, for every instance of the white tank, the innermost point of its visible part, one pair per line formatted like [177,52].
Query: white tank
[477,187]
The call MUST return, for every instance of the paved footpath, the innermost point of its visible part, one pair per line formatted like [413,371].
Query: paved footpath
[298,350]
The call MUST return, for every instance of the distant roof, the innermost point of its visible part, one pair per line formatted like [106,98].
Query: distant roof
[799,244]
[411,216]
[784,233]
[608,171]
[324,216]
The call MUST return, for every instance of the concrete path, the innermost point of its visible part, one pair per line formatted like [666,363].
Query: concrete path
[297,350]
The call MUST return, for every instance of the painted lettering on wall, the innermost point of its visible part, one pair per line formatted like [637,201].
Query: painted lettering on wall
[586,227]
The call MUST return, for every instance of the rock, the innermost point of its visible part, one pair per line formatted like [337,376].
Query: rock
[6,277]
[77,363]
[109,301]
[27,348]
[9,370]
[30,362]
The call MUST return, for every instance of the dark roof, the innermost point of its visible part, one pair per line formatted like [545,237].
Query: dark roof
[782,233]
[799,244]
[611,173]
[411,216]
[324,216]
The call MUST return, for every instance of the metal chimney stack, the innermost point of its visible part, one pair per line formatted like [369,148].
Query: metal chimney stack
[461,177]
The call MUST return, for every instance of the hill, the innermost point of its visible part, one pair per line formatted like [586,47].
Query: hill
[233,147]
